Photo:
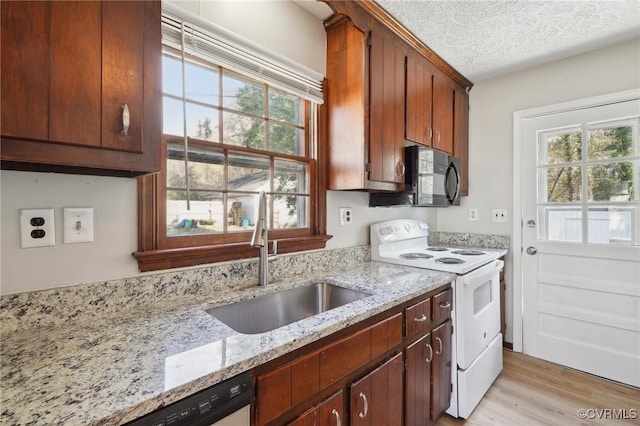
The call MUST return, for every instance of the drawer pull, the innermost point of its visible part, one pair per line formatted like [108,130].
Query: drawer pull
[439,351]
[363,413]
[445,305]
[423,318]
[337,417]
[430,353]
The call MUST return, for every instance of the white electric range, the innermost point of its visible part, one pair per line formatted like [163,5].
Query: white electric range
[477,341]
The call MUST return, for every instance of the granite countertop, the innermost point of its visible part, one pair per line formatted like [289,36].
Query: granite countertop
[115,368]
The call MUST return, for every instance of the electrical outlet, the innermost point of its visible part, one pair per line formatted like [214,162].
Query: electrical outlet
[37,228]
[346,216]
[473,214]
[499,215]
[78,225]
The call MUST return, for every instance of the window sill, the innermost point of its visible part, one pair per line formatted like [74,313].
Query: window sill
[155,260]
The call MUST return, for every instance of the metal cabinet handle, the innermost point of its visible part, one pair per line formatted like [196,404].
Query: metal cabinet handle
[430,353]
[423,318]
[400,166]
[126,119]
[337,417]
[363,414]
[445,305]
[429,130]
[438,352]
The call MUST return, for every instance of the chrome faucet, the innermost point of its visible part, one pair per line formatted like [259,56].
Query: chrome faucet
[260,239]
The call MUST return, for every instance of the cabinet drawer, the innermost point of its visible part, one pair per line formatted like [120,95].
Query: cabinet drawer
[386,335]
[442,303]
[305,377]
[273,394]
[417,318]
[344,356]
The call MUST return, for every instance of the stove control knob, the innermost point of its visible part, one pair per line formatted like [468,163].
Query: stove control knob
[423,226]
[407,227]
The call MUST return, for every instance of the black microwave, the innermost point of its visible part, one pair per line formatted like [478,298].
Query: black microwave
[432,179]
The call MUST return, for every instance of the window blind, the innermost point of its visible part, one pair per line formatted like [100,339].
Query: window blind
[209,42]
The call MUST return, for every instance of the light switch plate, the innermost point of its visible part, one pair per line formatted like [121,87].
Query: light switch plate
[78,225]
[37,228]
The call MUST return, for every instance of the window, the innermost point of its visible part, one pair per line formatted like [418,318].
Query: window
[228,133]
[589,177]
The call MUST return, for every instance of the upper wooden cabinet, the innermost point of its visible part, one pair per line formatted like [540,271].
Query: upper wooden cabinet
[365,108]
[418,119]
[81,87]
[375,104]
[461,136]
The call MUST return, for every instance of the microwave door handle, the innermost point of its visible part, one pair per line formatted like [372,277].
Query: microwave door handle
[446,183]
[483,276]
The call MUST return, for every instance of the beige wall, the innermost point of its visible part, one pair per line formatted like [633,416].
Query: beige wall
[493,103]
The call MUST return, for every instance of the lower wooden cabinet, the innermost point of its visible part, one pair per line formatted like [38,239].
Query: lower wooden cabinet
[377,398]
[417,382]
[441,370]
[328,412]
[388,370]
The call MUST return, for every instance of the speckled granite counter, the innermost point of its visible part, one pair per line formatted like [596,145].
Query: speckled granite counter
[113,365]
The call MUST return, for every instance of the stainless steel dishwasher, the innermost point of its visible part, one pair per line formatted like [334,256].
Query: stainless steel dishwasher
[225,404]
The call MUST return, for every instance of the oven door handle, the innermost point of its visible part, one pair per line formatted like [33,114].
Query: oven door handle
[483,276]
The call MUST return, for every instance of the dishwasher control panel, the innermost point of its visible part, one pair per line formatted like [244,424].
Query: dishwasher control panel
[203,408]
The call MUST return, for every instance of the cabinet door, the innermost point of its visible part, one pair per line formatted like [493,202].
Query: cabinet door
[122,79]
[386,110]
[419,89]
[75,72]
[461,136]
[418,382]
[442,113]
[329,412]
[25,59]
[441,391]
[377,398]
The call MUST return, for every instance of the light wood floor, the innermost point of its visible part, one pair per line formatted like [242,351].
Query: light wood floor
[530,391]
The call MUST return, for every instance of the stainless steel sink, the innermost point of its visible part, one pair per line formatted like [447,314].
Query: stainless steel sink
[271,311]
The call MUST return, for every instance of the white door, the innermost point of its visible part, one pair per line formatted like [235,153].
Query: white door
[580,175]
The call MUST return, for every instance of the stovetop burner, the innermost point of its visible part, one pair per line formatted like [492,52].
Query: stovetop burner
[437,249]
[415,256]
[469,252]
[450,260]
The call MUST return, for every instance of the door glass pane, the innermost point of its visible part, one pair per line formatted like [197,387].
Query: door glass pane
[610,182]
[248,173]
[290,211]
[245,131]
[290,176]
[560,147]
[242,94]
[610,142]
[560,184]
[611,225]
[206,215]
[560,224]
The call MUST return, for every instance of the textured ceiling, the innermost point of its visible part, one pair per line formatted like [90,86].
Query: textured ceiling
[484,39]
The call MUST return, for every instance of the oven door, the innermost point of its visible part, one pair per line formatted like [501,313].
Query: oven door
[477,311]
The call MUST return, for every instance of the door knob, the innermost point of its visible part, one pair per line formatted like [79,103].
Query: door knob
[531,223]
[532,250]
